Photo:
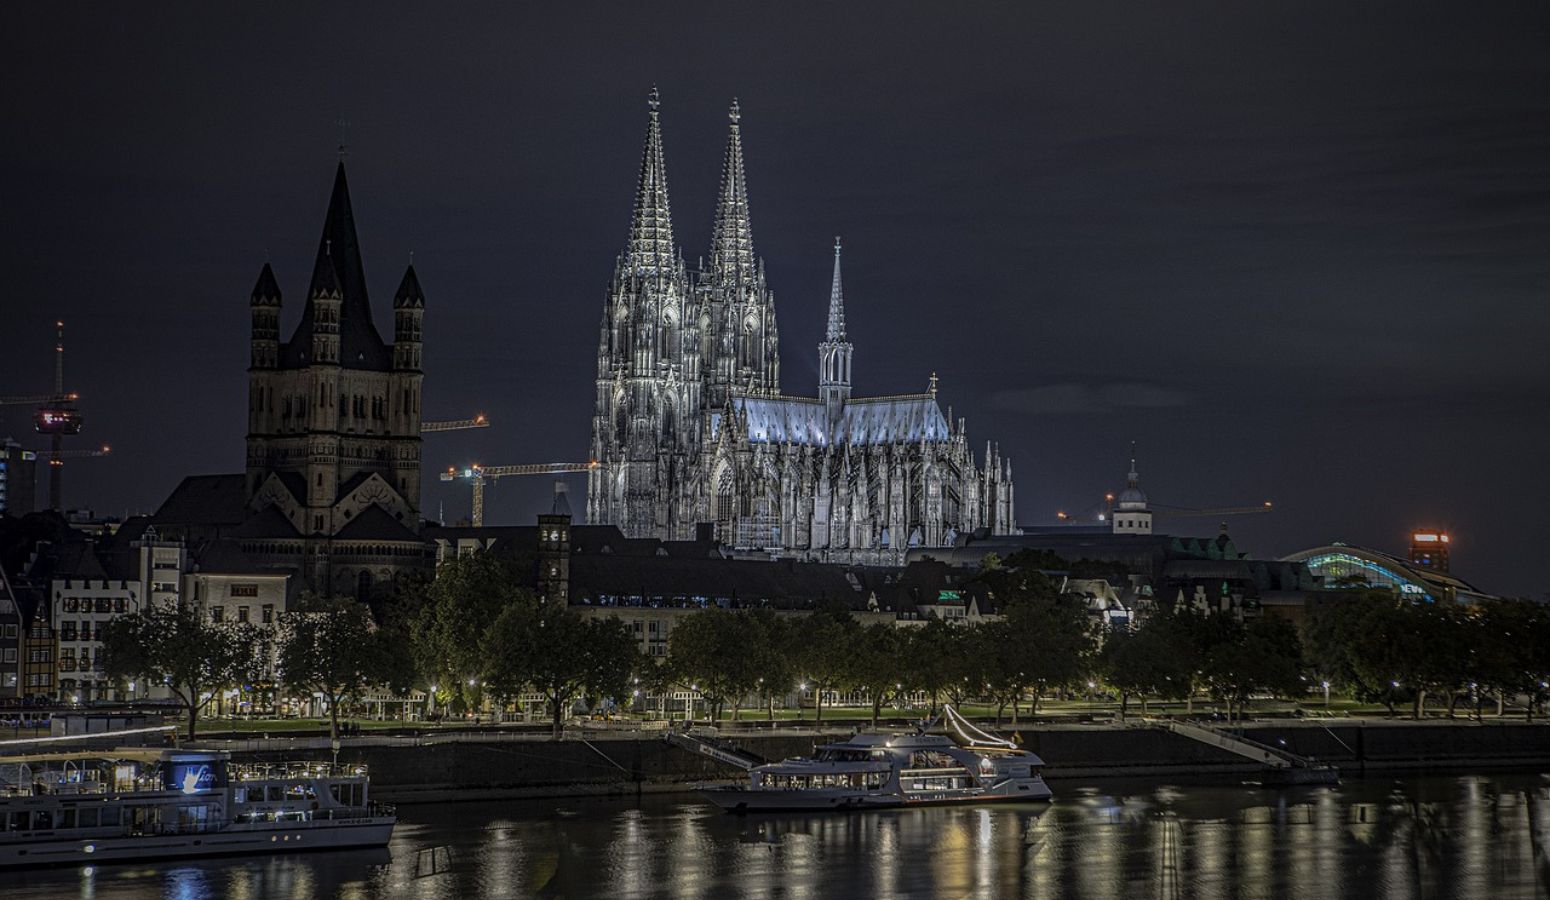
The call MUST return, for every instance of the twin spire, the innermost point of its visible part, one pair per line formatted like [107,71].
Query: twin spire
[651,249]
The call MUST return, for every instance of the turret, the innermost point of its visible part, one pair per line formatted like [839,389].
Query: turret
[408,312]
[264,305]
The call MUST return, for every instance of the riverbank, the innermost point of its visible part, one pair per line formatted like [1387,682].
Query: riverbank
[448,767]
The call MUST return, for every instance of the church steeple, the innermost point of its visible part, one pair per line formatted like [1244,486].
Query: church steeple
[731,248]
[651,250]
[834,351]
[339,270]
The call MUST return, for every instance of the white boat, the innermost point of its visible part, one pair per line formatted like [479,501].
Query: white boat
[143,804]
[879,771]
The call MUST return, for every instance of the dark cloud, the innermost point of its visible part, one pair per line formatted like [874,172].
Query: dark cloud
[1084,399]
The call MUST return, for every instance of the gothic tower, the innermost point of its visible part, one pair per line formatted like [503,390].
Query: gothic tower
[741,342]
[645,428]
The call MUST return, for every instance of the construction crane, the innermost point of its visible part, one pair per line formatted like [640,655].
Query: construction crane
[1184,512]
[477,475]
[1100,512]
[478,421]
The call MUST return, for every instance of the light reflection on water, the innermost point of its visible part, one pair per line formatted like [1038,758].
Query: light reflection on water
[1471,836]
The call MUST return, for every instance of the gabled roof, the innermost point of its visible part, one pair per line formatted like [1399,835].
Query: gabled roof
[339,260]
[269,523]
[204,500]
[79,561]
[375,524]
[225,557]
[266,291]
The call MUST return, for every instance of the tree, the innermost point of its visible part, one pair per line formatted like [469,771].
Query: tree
[559,653]
[771,655]
[180,647]
[1051,638]
[877,663]
[710,653]
[937,652]
[1152,661]
[447,630]
[823,643]
[334,649]
[1266,655]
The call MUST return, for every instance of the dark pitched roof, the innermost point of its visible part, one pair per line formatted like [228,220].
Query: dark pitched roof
[269,523]
[204,500]
[80,561]
[339,258]
[267,290]
[225,557]
[781,583]
[409,293]
[375,524]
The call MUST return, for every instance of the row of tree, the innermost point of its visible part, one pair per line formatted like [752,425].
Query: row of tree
[1378,649]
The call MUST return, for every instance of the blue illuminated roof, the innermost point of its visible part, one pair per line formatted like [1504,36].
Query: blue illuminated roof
[800,420]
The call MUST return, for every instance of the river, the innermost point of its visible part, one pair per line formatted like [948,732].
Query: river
[1468,836]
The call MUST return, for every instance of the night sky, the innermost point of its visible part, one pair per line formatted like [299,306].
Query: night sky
[1298,252]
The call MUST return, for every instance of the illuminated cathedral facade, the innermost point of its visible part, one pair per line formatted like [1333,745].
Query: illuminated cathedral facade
[690,425]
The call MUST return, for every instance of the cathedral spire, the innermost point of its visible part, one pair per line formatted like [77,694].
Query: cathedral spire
[834,351]
[731,249]
[836,330]
[651,230]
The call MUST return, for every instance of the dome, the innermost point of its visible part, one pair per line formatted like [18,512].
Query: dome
[1132,498]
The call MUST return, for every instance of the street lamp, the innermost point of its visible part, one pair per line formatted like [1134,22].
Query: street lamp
[1326,695]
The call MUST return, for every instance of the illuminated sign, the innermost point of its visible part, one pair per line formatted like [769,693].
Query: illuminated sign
[191,778]
[949,597]
[1429,538]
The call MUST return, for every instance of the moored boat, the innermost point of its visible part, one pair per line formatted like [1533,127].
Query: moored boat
[141,804]
[879,771]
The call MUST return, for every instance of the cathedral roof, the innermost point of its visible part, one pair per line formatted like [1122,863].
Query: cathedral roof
[339,260]
[884,420]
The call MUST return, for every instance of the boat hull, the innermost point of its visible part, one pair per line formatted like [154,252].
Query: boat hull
[49,851]
[737,799]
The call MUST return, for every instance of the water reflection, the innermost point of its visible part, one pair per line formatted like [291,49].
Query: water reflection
[1472,836]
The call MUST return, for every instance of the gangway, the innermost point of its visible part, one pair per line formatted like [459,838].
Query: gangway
[1281,766]
[705,747]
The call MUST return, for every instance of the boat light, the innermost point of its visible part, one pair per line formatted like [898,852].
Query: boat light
[89,848]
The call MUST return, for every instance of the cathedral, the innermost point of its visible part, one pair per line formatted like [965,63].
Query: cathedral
[690,425]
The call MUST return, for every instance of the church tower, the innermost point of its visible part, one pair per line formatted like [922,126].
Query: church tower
[741,341]
[645,427]
[333,444]
[834,351]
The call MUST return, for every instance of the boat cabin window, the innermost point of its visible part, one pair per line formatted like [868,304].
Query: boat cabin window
[932,759]
[301,789]
[866,780]
[836,754]
[276,793]
[346,794]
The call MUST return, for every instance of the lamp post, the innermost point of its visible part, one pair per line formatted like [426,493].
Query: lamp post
[1326,696]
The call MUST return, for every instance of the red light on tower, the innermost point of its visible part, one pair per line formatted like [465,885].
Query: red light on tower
[1429,549]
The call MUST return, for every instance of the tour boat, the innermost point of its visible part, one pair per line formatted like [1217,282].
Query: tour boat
[879,771]
[143,804]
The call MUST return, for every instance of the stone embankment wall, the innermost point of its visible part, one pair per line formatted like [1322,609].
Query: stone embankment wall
[616,765]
